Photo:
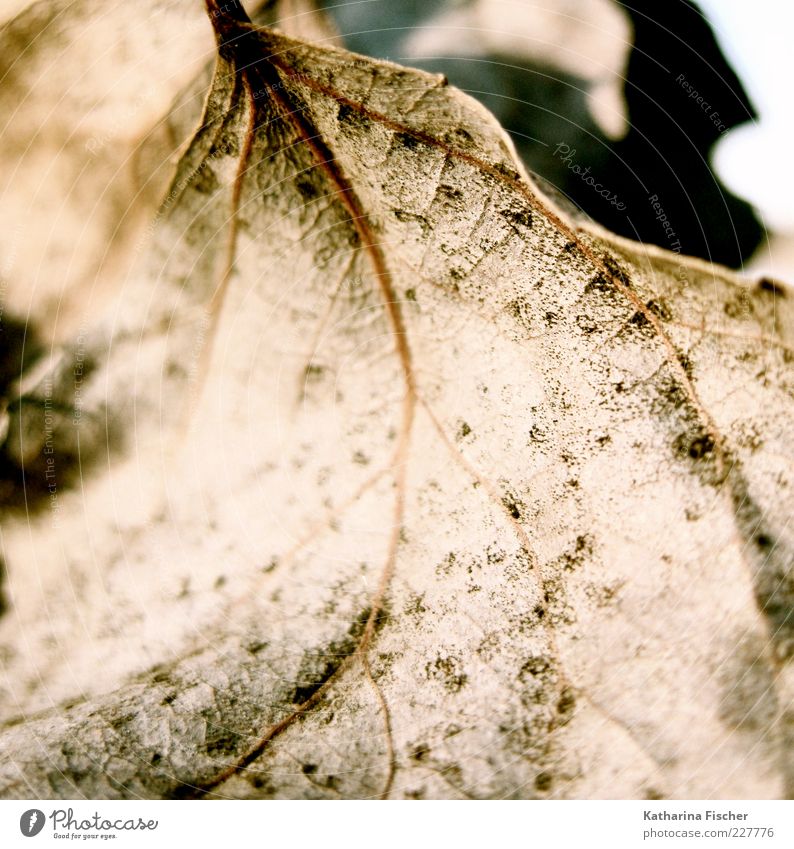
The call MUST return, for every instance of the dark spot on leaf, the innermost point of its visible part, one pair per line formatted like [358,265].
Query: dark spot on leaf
[407,141]
[456,274]
[117,723]
[449,671]
[205,180]
[534,667]
[575,556]
[520,218]
[270,565]
[446,565]
[512,508]
[685,362]
[404,215]
[543,782]
[567,702]
[160,674]
[348,116]
[450,191]
[660,309]
[460,137]
[258,781]
[494,555]
[416,607]
[221,741]
[506,171]
[521,309]
[696,447]
[740,306]
[601,284]
[773,563]
[227,146]
[672,395]
[765,542]
[307,186]
[616,271]
[313,373]
[537,434]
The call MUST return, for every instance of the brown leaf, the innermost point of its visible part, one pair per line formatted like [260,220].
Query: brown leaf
[420,488]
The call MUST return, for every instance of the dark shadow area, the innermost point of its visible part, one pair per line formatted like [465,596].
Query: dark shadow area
[41,454]
[655,184]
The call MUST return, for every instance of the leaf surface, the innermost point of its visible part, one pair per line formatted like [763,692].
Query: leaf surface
[415,487]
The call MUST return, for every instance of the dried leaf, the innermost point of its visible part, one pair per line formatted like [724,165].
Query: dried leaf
[86,153]
[414,487]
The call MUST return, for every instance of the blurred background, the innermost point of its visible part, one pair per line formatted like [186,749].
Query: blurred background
[666,121]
